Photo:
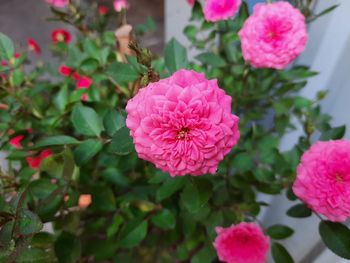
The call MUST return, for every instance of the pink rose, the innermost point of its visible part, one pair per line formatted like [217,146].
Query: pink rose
[273,36]
[215,10]
[242,243]
[119,5]
[323,179]
[58,3]
[183,124]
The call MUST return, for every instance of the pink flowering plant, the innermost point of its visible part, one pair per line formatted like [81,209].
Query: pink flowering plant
[118,154]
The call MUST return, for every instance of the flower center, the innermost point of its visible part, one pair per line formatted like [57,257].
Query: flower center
[272,35]
[339,178]
[183,134]
[60,37]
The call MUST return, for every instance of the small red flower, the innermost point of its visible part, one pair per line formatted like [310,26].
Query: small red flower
[61,35]
[3,106]
[34,162]
[191,2]
[16,141]
[4,63]
[65,71]
[33,46]
[103,10]
[84,82]
[84,97]
[76,76]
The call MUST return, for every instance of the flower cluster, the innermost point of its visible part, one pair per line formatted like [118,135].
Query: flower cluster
[82,82]
[183,124]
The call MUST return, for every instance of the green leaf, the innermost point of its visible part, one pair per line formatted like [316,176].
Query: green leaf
[101,249]
[69,167]
[165,219]
[133,234]
[86,150]
[75,56]
[42,188]
[169,187]
[243,162]
[7,48]
[105,51]
[196,194]
[175,56]
[35,255]
[298,72]
[17,77]
[211,59]
[336,237]
[264,175]
[114,226]
[279,231]
[149,26]
[6,233]
[301,103]
[91,48]
[299,211]
[121,142]
[67,248]
[205,255]
[113,121]
[28,222]
[86,121]
[115,176]
[333,134]
[43,240]
[290,194]
[56,140]
[89,65]
[103,199]
[280,254]
[197,11]
[122,73]
[191,31]
[61,98]
[324,12]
